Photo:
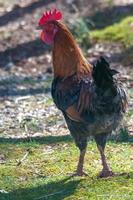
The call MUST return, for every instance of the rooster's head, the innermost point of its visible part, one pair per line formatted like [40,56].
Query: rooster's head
[48,25]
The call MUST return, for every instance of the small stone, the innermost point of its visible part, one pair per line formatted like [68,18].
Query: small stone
[9,66]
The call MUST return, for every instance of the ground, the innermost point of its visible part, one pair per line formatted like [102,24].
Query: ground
[44,172]
[36,151]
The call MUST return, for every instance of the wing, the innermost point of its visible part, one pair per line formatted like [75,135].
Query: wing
[71,96]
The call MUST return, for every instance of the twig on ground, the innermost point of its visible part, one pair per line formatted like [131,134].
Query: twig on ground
[27,133]
[40,175]
[22,98]
[24,157]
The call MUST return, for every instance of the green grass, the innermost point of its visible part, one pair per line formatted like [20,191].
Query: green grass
[119,32]
[44,173]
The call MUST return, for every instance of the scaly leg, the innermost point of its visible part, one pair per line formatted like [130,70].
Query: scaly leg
[101,142]
[79,171]
[106,172]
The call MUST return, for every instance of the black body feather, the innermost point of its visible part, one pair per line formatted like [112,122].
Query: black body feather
[105,107]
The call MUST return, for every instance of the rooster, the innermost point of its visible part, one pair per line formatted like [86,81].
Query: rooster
[91,99]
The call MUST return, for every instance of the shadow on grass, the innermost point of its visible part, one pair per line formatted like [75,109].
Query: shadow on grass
[23,92]
[18,11]
[61,189]
[22,51]
[110,15]
[120,139]
[56,139]
[31,85]
[40,140]
[54,190]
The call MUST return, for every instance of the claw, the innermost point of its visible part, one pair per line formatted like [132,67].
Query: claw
[82,173]
[105,174]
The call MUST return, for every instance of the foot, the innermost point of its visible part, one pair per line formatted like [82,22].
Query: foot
[79,173]
[106,173]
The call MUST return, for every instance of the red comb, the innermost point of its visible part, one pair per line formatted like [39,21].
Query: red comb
[49,16]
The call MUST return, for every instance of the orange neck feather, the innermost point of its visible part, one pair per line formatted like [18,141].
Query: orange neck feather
[67,57]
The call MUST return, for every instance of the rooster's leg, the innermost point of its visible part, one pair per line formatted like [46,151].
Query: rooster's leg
[101,141]
[106,172]
[79,170]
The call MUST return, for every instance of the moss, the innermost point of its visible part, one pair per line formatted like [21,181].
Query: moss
[119,32]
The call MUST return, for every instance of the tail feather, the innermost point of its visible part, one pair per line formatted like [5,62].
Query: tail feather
[103,75]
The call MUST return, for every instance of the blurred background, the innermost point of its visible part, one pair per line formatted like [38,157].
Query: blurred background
[100,27]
